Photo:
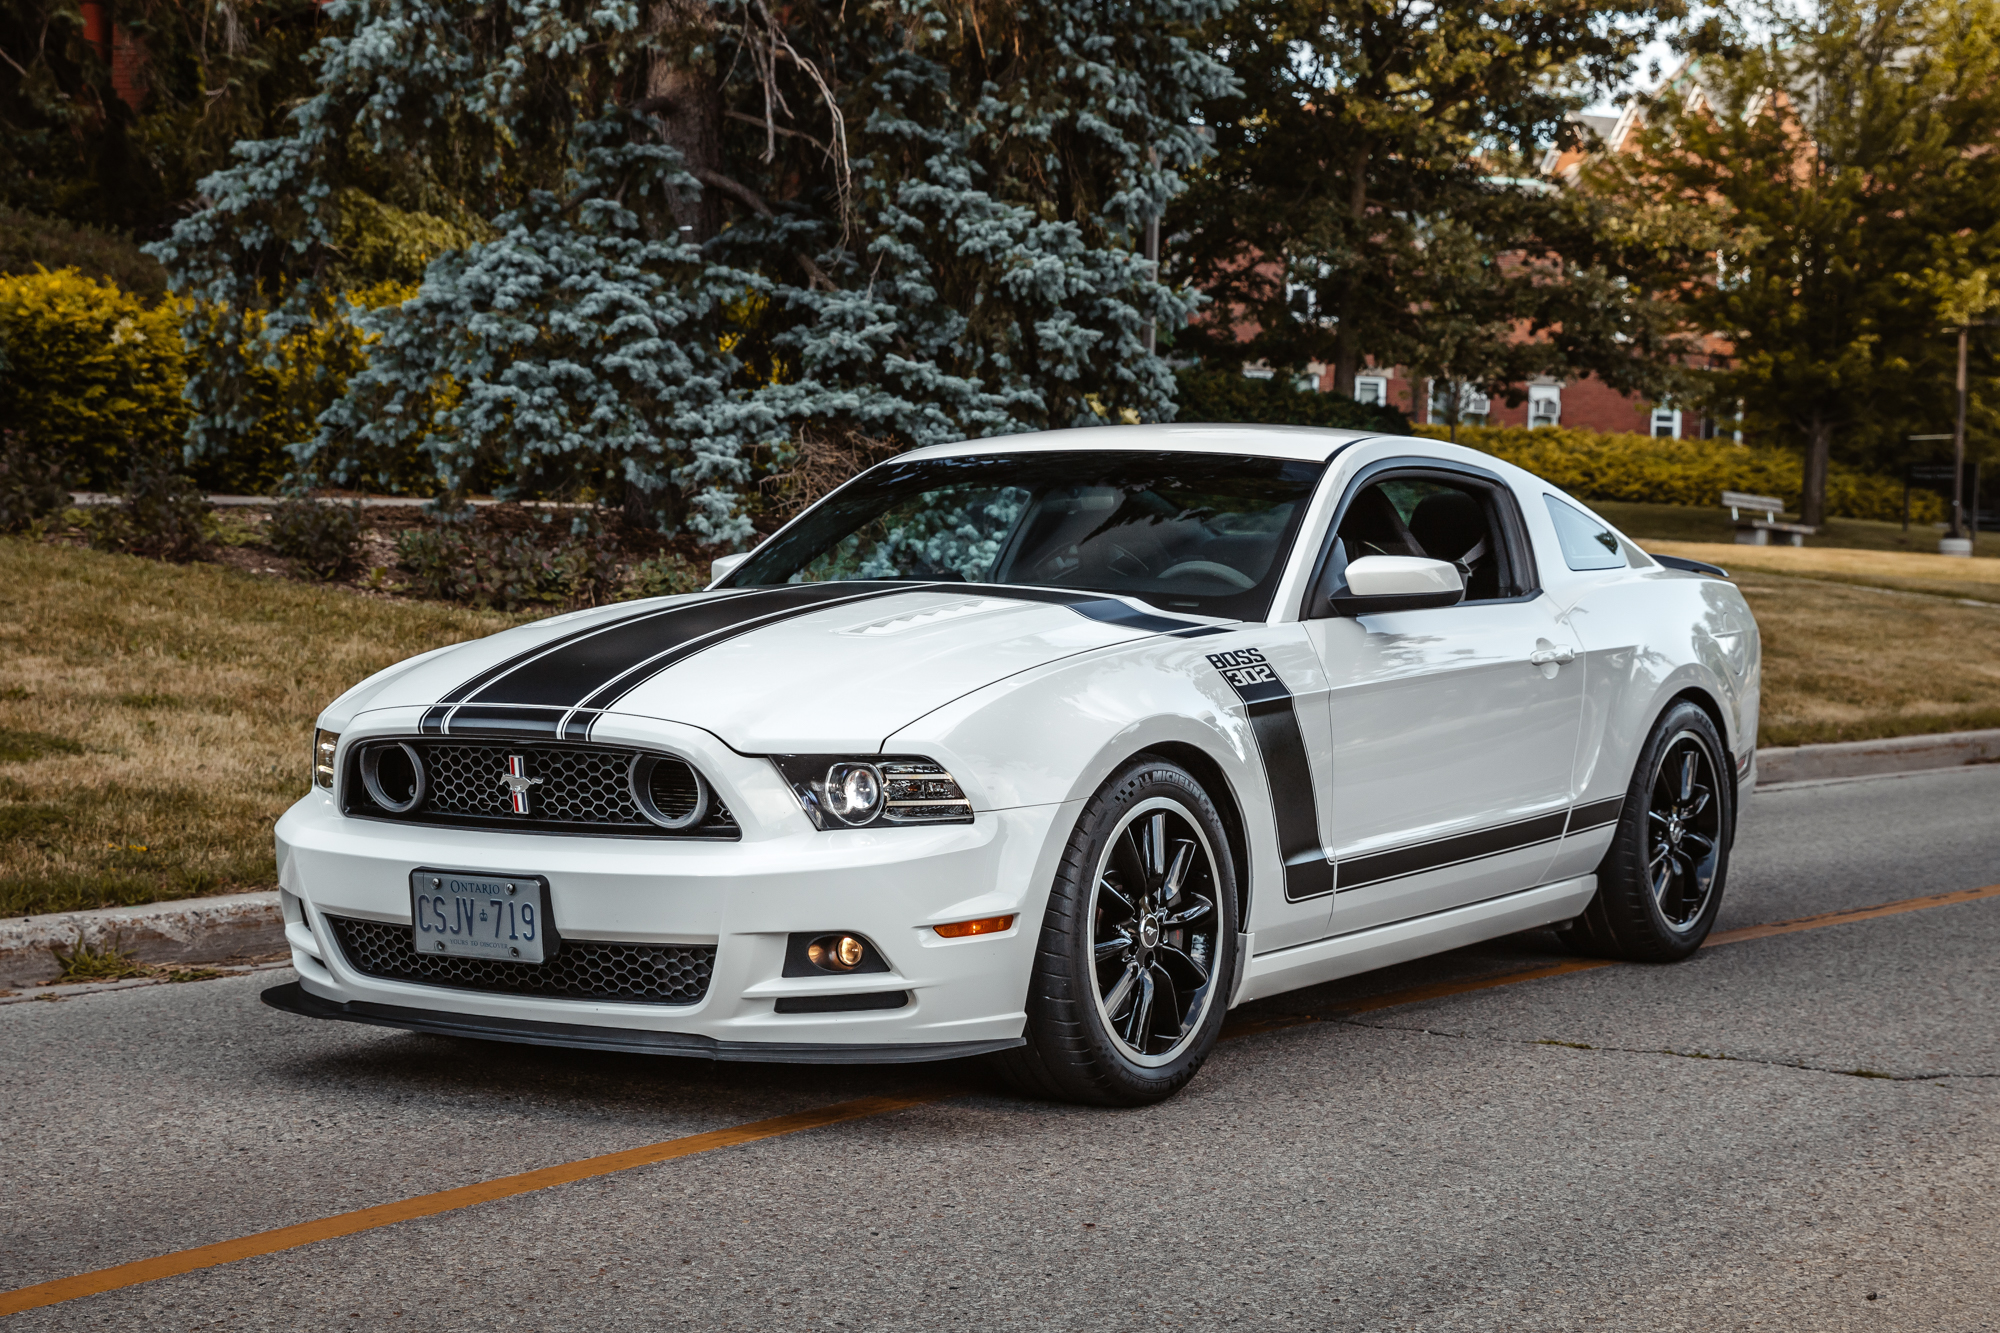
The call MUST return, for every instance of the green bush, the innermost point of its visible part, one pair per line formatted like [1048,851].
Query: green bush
[89,366]
[1226,396]
[474,560]
[31,484]
[159,513]
[320,537]
[1638,468]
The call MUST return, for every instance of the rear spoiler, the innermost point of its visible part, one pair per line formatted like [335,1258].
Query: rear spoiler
[1691,566]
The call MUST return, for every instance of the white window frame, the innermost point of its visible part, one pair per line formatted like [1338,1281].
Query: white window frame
[1471,403]
[1378,385]
[1539,394]
[1670,417]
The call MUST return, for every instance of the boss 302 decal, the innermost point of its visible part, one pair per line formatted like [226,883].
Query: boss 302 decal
[1275,724]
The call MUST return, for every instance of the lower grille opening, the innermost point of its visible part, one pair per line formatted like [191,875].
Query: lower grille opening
[843,1004]
[580,970]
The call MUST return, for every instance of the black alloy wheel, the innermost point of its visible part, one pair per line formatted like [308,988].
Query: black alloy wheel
[1153,931]
[1137,955]
[1683,832]
[1659,886]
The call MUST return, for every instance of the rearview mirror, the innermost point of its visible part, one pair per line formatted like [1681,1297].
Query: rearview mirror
[725,565]
[1377,583]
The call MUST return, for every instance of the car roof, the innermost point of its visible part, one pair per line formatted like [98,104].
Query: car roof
[1303,443]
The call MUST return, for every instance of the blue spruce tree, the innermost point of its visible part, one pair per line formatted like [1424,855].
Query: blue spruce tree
[703,228]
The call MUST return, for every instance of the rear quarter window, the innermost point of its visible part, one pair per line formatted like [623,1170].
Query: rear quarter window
[1586,542]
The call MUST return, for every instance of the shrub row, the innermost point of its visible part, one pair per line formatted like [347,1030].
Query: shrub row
[1639,468]
[91,367]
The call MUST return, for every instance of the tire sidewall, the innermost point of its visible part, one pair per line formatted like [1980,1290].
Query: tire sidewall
[1625,863]
[1067,928]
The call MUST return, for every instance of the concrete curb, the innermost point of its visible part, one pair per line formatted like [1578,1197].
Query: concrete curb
[248,927]
[239,928]
[1864,759]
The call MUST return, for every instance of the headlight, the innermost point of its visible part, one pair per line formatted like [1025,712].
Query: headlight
[842,791]
[325,743]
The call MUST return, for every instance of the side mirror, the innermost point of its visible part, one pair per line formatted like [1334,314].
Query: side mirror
[725,565]
[1378,583]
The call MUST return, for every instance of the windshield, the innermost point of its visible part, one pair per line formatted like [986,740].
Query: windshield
[1205,533]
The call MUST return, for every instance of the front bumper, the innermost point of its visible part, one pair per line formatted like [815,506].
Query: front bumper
[744,899]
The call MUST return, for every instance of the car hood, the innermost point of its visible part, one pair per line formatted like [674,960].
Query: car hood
[804,668]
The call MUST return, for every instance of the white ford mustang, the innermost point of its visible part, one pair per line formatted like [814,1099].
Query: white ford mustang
[1050,748]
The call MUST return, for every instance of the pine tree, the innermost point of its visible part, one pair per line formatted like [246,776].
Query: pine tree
[704,226]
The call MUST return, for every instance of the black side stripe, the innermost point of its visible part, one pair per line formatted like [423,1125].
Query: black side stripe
[1400,862]
[1595,815]
[1274,723]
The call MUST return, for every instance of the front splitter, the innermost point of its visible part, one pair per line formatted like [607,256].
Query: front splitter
[296,999]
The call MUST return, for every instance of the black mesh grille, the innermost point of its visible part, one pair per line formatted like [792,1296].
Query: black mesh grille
[571,787]
[581,969]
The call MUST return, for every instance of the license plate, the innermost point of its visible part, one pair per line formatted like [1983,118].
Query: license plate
[480,916]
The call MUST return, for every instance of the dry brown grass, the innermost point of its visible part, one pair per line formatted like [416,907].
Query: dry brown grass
[154,719]
[1910,571]
[1848,663]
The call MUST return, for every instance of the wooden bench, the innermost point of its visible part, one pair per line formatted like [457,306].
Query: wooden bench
[1757,531]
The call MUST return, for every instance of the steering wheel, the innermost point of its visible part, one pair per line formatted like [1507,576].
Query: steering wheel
[1235,578]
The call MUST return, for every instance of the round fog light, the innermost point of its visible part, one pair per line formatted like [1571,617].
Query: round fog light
[836,953]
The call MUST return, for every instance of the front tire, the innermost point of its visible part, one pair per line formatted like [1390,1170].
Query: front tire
[1138,948]
[1659,887]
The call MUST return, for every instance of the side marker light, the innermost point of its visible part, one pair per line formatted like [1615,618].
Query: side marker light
[986,925]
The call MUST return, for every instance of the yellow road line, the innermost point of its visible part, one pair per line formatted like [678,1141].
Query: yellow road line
[445,1201]
[505,1187]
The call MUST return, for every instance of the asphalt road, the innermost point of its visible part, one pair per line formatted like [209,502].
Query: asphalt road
[1800,1132]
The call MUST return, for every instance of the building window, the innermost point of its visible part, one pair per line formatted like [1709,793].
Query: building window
[1545,405]
[1472,405]
[1371,389]
[1666,423]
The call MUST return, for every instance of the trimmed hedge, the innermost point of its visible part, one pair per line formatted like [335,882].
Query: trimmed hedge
[1638,468]
[91,371]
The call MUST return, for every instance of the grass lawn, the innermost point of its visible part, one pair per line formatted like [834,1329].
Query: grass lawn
[154,719]
[1686,523]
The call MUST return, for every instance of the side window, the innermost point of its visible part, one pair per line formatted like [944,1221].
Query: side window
[1430,515]
[1586,543]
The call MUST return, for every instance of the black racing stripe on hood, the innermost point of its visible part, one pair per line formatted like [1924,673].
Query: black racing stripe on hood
[542,694]
[1095,606]
[1092,605]
[433,722]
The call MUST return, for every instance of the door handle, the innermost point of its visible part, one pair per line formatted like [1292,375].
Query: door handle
[1548,656]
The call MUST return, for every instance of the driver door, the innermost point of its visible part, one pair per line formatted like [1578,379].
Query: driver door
[1452,730]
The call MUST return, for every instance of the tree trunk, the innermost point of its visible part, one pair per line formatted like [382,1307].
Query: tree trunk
[1819,451]
[685,93]
[1347,347]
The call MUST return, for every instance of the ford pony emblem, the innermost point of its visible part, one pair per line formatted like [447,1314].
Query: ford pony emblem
[517,782]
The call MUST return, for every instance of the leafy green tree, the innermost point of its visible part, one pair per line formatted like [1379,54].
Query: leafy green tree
[692,228]
[1844,150]
[1372,184]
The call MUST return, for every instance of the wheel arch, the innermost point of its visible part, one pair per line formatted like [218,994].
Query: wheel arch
[1214,780]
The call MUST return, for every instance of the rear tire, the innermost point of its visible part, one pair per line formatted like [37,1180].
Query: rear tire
[1138,948]
[1660,885]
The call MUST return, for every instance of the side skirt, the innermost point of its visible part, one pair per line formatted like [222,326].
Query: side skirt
[296,999]
[1380,946]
